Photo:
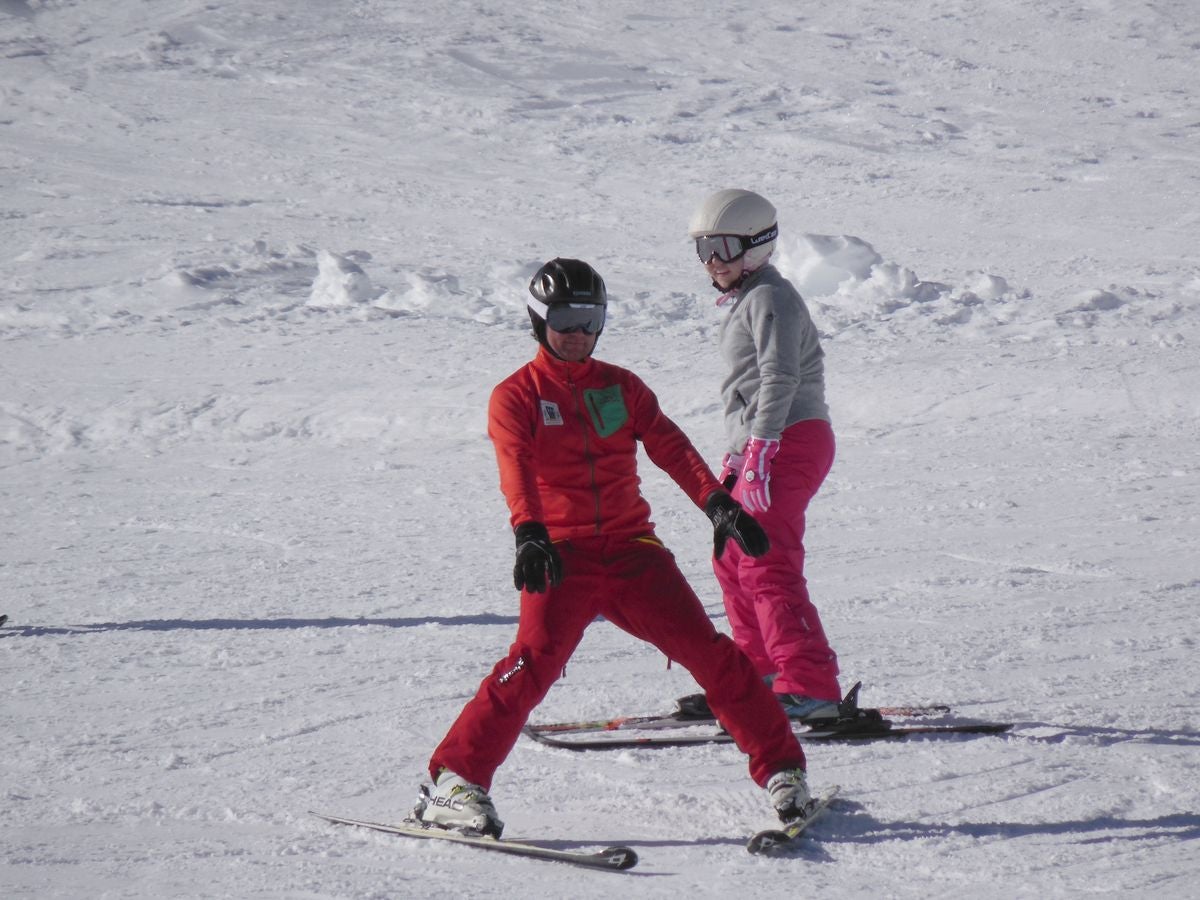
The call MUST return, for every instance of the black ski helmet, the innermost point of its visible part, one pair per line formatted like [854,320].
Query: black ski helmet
[564,282]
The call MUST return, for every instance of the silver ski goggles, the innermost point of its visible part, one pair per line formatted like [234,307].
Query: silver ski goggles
[728,247]
[566,318]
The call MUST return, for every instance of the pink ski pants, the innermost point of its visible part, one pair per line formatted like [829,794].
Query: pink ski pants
[772,618]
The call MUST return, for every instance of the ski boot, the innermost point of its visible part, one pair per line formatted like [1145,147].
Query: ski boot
[458,805]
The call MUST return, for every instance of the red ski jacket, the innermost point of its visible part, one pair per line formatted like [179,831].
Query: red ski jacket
[566,440]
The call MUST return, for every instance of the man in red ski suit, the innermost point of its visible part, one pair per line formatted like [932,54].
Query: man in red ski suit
[565,429]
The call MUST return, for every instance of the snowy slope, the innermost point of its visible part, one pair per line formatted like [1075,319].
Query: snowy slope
[260,265]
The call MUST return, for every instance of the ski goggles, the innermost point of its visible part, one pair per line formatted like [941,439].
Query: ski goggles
[728,247]
[566,318]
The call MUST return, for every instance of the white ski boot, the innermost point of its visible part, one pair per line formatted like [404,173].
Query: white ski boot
[457,804]
[789,794]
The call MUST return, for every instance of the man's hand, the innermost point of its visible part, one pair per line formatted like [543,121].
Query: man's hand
[731,521]
[537,560]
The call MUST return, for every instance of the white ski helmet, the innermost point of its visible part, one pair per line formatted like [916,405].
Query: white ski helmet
[742,213]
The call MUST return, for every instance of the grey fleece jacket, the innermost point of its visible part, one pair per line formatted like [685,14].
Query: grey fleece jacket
[775,361]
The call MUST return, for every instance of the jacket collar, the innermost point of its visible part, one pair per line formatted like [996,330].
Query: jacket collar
[748,282]
[753,278]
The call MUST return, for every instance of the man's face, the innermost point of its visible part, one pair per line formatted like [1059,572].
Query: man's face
[574,346]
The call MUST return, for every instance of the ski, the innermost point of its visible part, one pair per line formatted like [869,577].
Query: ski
[695,706]
[775,839]
[616,858]
[693,710]
[854,731]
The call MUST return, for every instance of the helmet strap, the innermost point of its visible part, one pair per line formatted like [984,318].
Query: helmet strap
[733,288]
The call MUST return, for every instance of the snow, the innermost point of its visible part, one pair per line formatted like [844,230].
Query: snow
[260,266]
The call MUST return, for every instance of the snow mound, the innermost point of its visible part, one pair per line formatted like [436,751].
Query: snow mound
[820,263]
[432,293]
[341,281]
[848,283]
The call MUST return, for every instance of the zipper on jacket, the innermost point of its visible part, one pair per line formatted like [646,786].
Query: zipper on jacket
[587,444]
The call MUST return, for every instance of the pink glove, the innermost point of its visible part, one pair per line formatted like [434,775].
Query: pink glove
[731,464]
[756,474]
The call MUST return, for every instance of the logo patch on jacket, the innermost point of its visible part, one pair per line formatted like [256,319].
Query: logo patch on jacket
[607,409]
[550,413]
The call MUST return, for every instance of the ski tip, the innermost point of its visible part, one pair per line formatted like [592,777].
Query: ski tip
[766,841]
[326,817]
[620,857]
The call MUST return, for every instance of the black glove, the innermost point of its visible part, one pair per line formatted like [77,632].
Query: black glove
[731,521]
[537,560]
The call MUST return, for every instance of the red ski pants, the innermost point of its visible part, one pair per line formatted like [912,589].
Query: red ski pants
[636,585]
[766,598]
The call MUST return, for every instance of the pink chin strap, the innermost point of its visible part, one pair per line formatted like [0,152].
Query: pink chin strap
[727,295]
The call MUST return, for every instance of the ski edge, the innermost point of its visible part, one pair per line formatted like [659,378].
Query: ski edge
[675,720]
[610,858]
[817,734]
[775,839]
[689,713]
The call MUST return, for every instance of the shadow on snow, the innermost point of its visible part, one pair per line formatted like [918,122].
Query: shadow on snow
[860,827]
[251,624]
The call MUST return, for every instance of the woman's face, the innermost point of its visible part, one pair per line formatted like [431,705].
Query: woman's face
[725,274]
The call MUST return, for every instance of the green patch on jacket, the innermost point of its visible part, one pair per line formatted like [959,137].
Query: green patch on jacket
[607,409]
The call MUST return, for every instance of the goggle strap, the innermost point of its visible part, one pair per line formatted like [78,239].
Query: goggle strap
[539,307]
[767,234]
